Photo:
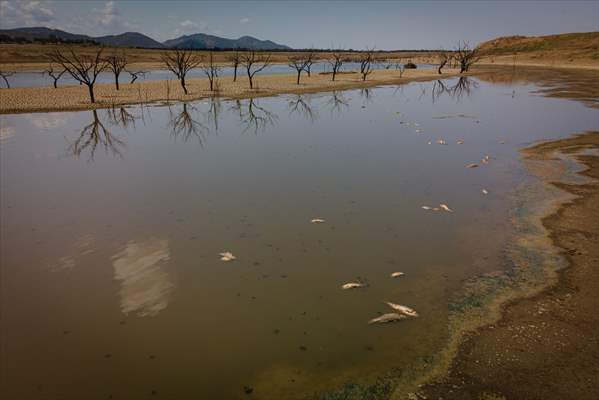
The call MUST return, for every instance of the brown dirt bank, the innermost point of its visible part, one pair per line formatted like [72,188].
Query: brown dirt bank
[45,99]
[547,346]
[566,50]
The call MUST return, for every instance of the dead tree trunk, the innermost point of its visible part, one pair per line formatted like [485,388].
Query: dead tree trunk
[253,64]
[84,69]
[180,62]
[235,59]
[336,62]
[116,64]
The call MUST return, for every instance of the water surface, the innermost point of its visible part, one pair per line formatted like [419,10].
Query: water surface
[113,221]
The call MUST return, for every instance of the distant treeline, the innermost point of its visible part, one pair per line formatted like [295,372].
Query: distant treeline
[52,39]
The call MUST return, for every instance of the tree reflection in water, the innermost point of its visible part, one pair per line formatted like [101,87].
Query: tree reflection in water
[95,135]
[337,103]
[183,126]
[254,117]
[121,117]
[366,94]
[462,88]
[300,104]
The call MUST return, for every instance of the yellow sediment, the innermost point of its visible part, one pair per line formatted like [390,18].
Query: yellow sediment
[44,99]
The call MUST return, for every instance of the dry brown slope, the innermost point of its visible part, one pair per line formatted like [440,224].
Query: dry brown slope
[568,49]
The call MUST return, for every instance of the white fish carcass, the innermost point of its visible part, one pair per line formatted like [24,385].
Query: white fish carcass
[445,207]
[385,318]
[227,256]
[403,309]
[352,285]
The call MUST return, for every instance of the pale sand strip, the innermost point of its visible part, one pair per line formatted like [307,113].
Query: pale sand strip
[44,99]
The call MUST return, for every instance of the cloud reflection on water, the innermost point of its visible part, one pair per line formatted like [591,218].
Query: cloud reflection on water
[140,268]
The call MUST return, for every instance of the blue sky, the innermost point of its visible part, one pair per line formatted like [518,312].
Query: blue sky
[348,24]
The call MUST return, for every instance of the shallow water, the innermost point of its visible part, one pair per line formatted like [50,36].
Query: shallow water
[113,221]
[35,79]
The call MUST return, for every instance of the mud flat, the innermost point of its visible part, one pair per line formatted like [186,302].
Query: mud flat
[46,99]
[546,344]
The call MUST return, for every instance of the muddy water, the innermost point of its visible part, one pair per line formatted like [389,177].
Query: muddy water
[113,221]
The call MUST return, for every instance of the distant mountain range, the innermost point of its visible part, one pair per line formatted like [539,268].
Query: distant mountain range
[203,41]
[136,39]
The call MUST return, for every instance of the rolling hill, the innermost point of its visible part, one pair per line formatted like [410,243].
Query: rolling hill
[203,41]
[136,39]
[580,44]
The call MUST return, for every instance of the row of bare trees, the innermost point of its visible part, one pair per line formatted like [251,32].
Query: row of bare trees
[86,68]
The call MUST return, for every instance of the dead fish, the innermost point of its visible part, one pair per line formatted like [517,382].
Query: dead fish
[429,142]
[485,191]
[445,207]
[471,165]
[426,208]
[403,309]
[227,256]
[352,285]
[396,274]
[317,220]
[460,142]
[441,141]
[385,318]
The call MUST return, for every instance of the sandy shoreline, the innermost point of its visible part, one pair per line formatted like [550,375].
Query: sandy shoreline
[69,98]
[545,346]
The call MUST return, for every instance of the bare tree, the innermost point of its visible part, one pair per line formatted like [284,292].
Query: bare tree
[136,74]
[366,64]
[180,62]
[309,61]
[466,56]
[254,63]
[83,68]
[116,64]
[235,59]
[336,62]
[55,74]
[211,70]
[299,64]
[444,58]
[4,75]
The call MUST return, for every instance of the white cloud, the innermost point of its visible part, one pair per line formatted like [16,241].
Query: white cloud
[109,20]
[25,13]
[187,23]
[244,20]
[187,27]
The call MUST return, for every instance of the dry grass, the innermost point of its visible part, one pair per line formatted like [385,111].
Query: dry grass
[31,57]
[578,50]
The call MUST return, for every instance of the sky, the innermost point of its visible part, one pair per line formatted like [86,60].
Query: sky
[384,25]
